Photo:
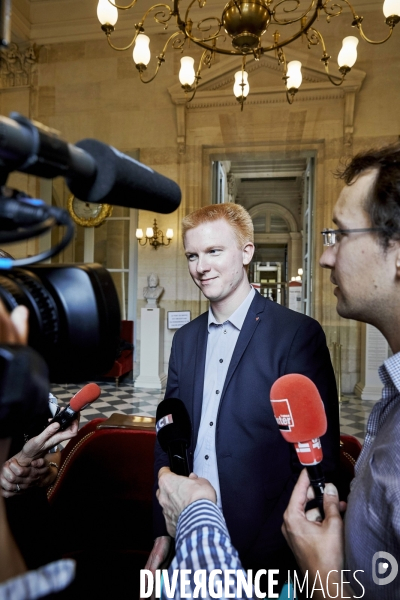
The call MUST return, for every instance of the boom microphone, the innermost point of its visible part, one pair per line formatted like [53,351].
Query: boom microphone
[174,432]
[88,394]
[300,415]
[123,181]
[94,171]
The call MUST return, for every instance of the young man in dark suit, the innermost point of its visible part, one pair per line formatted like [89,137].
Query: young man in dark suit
[222,367]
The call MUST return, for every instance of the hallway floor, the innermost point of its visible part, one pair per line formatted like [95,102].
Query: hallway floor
[125,399]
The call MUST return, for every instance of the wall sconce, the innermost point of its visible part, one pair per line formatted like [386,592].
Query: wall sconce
[154,235]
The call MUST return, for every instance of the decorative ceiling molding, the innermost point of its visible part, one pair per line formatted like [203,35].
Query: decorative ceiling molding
[17,66]
[315,86]
[55,21]
[21,26]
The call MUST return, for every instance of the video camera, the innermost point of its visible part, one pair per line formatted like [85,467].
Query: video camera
[74,311]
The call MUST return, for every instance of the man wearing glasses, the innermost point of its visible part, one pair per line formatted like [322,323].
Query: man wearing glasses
[363,255]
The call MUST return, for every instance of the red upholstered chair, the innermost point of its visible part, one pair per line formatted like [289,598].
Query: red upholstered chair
[124,363]
[101,504]
[350,449]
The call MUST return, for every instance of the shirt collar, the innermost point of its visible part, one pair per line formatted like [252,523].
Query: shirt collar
[237,318]
[391,368]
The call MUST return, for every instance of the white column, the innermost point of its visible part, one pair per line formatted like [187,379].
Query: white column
[151,349]
[374,351]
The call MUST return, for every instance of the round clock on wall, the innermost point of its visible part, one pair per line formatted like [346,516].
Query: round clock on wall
[88,214]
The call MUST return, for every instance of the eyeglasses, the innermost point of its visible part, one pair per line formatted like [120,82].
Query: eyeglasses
[332,236]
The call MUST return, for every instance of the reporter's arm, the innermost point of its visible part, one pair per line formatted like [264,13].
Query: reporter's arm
[31,466]
[203,543]
[38,446]
[317,545]
[175,493]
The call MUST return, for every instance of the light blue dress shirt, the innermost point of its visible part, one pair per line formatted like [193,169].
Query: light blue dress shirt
[221,342]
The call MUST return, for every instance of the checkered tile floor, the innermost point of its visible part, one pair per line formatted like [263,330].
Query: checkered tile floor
[125,399]
[354,416]
[122,399]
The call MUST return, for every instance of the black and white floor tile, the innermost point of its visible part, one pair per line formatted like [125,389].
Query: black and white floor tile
[122,399]
[354,414]
[126,399]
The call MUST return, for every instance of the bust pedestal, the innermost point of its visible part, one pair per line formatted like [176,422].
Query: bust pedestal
[152,374]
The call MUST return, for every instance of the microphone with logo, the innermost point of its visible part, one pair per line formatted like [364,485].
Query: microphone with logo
[88,394]
[300,415]
[174,432]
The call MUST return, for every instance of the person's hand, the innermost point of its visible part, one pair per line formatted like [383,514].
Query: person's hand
[158,555]
[176,493]
[317,545]
[38,446]
[14,326]
[30,467]
[15,479]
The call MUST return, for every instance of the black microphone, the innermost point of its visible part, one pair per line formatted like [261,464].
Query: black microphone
[31,147]
[124,181]
[174,432]
[85,396]
[94,171]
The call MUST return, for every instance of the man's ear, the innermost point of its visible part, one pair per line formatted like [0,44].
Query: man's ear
[248,252]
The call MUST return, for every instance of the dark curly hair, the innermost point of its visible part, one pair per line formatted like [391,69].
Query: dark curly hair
[383,203]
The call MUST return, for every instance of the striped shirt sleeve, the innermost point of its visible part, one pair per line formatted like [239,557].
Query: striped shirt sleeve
[203,544]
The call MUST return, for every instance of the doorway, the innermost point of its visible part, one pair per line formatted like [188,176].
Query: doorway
[278,192]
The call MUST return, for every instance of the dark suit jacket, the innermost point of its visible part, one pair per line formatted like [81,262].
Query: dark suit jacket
[257,468]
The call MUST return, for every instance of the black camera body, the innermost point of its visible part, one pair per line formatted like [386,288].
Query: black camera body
[74,316]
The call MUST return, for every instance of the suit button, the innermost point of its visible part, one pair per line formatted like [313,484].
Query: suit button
[206,457]
[211,423]
[217,392]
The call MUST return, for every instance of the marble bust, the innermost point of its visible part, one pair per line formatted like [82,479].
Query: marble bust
[153,291]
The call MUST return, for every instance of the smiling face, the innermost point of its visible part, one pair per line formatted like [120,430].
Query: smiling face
[360,268]
[216,262]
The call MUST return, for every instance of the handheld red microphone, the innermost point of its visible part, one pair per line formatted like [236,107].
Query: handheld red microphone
[300,415]
[88,394]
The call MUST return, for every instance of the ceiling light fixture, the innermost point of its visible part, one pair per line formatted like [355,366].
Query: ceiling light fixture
[154,236]
[245,22]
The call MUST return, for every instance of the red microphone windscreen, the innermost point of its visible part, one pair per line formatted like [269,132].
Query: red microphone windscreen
[298,408]
[89,393]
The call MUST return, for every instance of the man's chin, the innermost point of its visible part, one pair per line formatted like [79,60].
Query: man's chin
[346,311]
[208,295]
[341,308]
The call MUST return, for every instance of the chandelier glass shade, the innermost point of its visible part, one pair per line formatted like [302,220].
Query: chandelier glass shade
[245,28]
[154,236]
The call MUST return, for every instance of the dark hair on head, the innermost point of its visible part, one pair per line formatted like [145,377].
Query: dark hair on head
[383,203]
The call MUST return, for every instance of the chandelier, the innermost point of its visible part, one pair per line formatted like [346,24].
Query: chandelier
[242,30]
[154,236]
